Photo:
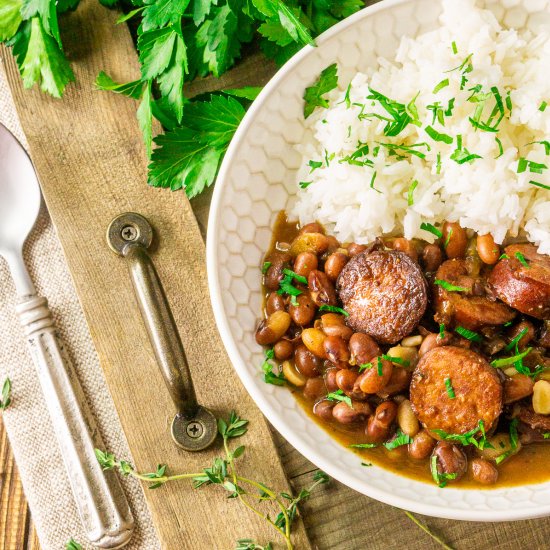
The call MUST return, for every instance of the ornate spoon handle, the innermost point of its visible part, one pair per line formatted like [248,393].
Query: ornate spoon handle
[98,495]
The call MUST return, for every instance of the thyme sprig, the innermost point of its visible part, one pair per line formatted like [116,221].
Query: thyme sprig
[223,472]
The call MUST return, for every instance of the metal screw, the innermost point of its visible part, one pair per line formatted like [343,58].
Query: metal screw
[129,233]
[194,429]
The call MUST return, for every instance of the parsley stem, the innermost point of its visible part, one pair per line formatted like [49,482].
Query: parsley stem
[162,479]
[427,530]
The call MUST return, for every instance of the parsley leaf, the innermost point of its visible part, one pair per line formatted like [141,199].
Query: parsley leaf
[159,13]
[339,395]
[10,18]
[130,89]
[313,96]
[6,395]
[399,440]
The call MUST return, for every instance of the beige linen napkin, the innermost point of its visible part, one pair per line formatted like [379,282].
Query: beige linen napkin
[27,423]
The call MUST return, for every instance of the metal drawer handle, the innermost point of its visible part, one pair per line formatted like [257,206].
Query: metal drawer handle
[194,427]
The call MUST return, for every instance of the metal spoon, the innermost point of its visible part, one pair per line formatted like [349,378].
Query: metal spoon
[98,495]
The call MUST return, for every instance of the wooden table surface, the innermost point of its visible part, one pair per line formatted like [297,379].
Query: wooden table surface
[336,517]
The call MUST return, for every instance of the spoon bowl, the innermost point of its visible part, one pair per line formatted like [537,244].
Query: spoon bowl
[19,194]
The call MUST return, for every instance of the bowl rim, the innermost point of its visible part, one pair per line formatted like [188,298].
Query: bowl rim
[308,451]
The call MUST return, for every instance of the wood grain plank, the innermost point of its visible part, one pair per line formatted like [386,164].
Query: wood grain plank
[91,170]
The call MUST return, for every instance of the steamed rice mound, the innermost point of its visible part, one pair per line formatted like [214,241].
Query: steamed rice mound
[487,194]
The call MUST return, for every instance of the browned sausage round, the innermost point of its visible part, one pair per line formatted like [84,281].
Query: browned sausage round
[463,308]
[526,289]
[384,293]
[476,386]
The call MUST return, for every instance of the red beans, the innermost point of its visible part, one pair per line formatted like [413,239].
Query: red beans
[422,445]
[375,379]
[455,239]
[336,350]
[432,257]
[321,288]
[359,411]
[304,311]
[306,362]
[406,246]
[345,380]
[450,460]
[305,263]
[362,348]
[334,265]
[330,379]
[275,302]
[378,427]
[323,409]
[483,471]
[283,349]
[314,388]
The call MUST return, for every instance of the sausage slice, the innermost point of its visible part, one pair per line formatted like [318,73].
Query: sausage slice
[464,308]
[476,386]
[384,293]
[526,289]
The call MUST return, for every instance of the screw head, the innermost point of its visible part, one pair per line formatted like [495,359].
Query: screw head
[129,233]
[194,429]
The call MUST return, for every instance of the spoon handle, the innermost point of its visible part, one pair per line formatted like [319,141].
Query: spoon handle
[101,503]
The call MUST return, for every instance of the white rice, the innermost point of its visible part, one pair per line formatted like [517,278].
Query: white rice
[487,194]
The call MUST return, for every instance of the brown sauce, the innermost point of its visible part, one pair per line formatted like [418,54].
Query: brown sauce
[530,465]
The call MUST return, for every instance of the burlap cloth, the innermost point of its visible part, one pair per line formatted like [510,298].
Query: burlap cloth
[27,423]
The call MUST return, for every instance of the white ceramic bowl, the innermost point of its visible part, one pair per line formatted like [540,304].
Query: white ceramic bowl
[257,180]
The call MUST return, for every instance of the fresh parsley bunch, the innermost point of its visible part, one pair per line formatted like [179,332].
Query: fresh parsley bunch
[177,41]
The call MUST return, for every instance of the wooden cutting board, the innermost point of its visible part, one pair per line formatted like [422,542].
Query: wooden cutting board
[88,152]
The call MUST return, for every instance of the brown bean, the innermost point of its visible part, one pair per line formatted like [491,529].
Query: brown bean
[488,251]
[355,249]
[432,257]
[379,424]
[336,350]
[345,379]
[323,409]
[333,324]
[422,445]
[316,243]
[517,387]
[406,246]
[312,227]
[271,330]
[483,471]
[306,362]
[330,379]
[333,245]
[334,265]
[407,419]
[275,302]
[304,263]
[274,274]
[314,388]
[450,460]
[304,311]
[313,338]
[371,381]
[399,381]
[432,341]
[345,414]
[321,288]
[283,349]
[456,239]
[362,348]
[528,335]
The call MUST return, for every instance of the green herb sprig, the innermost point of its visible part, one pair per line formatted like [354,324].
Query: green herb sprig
[223,473]
[468,438]
[6,395]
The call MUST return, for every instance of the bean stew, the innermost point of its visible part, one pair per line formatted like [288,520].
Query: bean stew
[428,359]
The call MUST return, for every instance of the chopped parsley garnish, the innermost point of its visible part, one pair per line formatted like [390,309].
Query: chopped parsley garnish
[328,157]
[465,66]
[461,156]
[339,395]
[468,438]
[441,331]
[541,185]
[437,136]
[397,360]
[400,117]
[304,184]
[505,361]
[453,47]
[437,113]
[441,85]
[314,164]
[500,148]
[334,309]
[440,479]
[265,267]
[449,286]
[299,278]
[313,96]
[365,366]
[372,180]
[468,334]
[516,340]
[412,187]
[450,107]
[411,149]
[364,445]
[483,125]
[513,442]
[447,240]
[521,258]
[542,106]
[449,388]
[505,257]
[546,435]
[399,440]
[438,164]
[379,366]
[534,167]
[431,229]
[286,286]
[271,377]
[347,99]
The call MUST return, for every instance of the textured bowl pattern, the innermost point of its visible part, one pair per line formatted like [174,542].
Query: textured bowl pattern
[257,181]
